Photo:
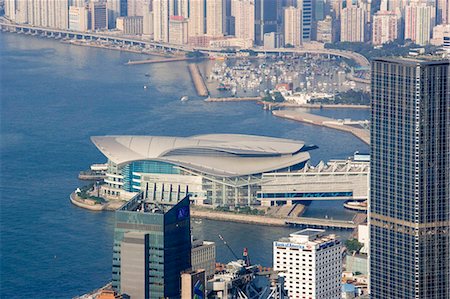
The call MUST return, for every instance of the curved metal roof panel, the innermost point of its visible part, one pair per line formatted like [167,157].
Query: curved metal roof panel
[214,154]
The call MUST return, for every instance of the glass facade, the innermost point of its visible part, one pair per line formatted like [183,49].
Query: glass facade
[131,180]
[168,245]
[410,179]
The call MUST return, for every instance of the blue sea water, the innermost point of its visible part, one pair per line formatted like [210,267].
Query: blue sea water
[55,96]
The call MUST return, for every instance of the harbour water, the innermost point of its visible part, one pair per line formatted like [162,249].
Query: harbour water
[55,96]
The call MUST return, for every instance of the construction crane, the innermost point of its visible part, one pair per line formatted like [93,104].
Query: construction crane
[228,246]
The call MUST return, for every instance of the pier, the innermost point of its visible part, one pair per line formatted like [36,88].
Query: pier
[317,120]
[234,99]
[198,80]
[151,61]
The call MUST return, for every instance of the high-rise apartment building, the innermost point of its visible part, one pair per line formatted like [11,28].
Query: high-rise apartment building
[353,24]
[293,26]
[197,18]
[161,11]
[419,22]
[10,9]
[409,213]
[78,18]
[312,264]
[325,30]
[178,30]
[183,8]
[384,27]
[243,12]
[135,7]
[152,246]
[443,12]
[214,18]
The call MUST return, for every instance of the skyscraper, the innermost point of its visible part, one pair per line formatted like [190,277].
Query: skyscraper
[419,22]
[267,16]
[384,27]
[311,262]
[410,178]
[152,246]
[243,12]
[214,17]
[161,20]
[352,24]
[293,26]
[197,18]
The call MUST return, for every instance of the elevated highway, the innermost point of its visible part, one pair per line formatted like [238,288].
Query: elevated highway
[59,33]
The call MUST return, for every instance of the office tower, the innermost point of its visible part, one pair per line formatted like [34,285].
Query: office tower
[442,11]
[409,213]
[267,16]
[307,18]
[197,18]
[325,30]
[419,22]
[99,16]
[214,18]
[243,12]
[293,26]
[311,262]
[384,27]
[113,12]
[352,24]
[319,10]
[78,3]
[78,18]
[161,20]
[204,257]
[152,246]
[178,30]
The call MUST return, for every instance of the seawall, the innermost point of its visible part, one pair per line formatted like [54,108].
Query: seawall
[197,79]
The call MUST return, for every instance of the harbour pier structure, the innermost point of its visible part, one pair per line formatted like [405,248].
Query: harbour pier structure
[354,127]
[197,79]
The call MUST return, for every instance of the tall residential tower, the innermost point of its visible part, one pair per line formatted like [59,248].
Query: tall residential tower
[410,178]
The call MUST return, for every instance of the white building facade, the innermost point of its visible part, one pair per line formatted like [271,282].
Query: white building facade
[311,263]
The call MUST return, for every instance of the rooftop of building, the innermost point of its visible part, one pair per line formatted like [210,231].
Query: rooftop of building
[139,204]
[414,59]
[224,155]
[309,236]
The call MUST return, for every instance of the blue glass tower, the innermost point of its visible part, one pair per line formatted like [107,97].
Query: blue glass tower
[152,246]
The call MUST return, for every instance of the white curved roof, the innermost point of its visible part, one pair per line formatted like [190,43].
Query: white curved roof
[215,154]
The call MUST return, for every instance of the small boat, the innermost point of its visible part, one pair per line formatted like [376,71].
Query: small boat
[145,86]
[147,75]
[184,99]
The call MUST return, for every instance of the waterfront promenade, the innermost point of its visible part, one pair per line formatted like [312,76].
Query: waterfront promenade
[317,120]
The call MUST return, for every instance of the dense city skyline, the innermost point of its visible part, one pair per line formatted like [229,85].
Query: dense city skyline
[246,23]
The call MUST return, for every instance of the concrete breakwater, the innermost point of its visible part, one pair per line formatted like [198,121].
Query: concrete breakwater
[317,120]
[162,60]
[197,79]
